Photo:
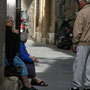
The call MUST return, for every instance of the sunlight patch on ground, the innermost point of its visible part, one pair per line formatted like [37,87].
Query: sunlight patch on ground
[47,56]
[44,65]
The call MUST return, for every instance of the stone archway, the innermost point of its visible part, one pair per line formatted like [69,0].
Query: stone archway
[2,41]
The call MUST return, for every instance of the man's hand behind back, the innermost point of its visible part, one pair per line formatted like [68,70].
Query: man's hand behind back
[74,48]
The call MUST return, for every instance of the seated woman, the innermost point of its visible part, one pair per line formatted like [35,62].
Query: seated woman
[11,50]
[29,61]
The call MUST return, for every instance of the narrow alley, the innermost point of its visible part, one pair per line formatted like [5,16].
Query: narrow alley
[54,31]
[54,67]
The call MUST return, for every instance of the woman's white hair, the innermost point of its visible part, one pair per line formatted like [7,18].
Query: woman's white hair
[8,18]
[23,36]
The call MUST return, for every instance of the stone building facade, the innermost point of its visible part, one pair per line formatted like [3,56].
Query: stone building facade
[46,22]
[41,19]
[27,12]
[2,42]
[44,15]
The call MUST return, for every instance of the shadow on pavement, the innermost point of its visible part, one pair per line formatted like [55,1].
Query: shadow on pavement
[55,70]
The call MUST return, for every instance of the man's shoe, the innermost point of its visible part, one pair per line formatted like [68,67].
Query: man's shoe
[87,88]
[27,88]
[73,88]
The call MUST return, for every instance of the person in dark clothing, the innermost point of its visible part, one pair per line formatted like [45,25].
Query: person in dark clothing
[11,50]
[11,44]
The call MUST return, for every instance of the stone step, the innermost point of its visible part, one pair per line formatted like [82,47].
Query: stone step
[11,83]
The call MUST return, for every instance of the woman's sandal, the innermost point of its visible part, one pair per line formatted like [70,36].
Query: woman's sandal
[42,83]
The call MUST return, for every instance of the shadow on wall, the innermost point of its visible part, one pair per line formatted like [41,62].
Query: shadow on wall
[54,67]
[27,3]
[58,73]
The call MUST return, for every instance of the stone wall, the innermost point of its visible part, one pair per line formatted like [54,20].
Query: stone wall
[31,18]
[2,41]
[11,83]
[69,10]
[44,21]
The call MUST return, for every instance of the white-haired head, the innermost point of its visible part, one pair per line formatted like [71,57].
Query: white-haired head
[8,18]
[23,37]
[88,1]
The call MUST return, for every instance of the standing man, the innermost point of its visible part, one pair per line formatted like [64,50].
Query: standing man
[81,46]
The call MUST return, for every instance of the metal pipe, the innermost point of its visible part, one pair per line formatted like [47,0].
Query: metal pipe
[18,13]
[18,23]
[63,10]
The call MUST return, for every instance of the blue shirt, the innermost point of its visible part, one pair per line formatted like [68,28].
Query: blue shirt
[24,55]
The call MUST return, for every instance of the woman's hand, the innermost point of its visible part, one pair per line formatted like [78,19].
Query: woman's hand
[34,59]
[16,31]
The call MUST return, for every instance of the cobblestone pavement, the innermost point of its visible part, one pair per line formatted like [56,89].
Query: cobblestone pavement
[54,67]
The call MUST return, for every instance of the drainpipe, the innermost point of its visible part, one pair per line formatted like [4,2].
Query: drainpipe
[18,23]
[18,13]
[63,10]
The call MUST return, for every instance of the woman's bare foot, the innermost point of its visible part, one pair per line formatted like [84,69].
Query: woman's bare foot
[36,79]
[26,82]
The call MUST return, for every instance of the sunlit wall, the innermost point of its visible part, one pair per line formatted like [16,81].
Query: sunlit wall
[11,8]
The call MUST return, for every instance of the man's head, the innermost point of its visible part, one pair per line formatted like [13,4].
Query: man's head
[9,21]
[82,3]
